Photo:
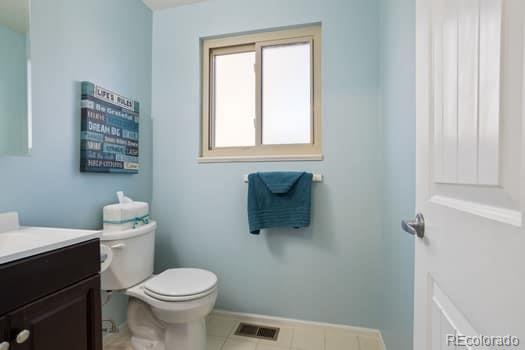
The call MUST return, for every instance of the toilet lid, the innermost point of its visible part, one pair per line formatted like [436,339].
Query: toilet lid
[181,282]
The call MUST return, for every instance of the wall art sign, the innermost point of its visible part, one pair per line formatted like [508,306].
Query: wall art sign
[109,131]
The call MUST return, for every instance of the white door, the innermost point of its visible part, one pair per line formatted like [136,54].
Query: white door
[470,265]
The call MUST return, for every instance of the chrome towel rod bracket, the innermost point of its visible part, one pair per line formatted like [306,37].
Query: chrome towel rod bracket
[316,178]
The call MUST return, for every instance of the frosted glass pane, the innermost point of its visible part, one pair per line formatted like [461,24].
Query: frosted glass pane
[235,100]
[286,99]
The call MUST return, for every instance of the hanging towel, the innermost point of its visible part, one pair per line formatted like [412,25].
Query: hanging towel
[279,199]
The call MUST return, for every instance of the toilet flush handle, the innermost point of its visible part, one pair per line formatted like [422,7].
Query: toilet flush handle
[118,246]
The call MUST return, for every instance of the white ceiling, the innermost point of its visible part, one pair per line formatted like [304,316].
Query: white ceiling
[164,4]
[14,15]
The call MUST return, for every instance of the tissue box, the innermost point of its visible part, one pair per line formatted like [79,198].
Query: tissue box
[123,216]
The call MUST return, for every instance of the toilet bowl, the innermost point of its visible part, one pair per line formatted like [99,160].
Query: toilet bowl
[165,311]
[177,321]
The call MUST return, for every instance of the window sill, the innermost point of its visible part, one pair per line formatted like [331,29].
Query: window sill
[240,159]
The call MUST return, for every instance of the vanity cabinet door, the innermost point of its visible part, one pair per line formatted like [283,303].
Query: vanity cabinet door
[4,335]
[66,320]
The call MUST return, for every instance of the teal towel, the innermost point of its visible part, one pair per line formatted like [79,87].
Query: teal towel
[279,199]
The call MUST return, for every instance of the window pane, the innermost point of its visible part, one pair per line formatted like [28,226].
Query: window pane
[286,99]
[235,100]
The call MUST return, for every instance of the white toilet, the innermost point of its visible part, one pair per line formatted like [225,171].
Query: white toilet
[165,311]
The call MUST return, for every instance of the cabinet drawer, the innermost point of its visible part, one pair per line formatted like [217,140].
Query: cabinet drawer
[29,279]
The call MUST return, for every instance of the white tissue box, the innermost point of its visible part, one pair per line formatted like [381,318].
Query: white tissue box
[123,216]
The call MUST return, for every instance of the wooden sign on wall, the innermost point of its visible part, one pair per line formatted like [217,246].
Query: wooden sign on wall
[109,131]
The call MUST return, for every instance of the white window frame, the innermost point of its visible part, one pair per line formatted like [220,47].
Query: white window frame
[255,43]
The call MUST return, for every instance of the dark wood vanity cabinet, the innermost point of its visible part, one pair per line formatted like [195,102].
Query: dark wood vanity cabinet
[53,300]
[3,331]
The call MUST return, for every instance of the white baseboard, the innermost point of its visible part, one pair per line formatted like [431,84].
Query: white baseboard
[290,322]
[122,328]
[383,345]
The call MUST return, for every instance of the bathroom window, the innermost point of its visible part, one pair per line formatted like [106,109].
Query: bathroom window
[261,97]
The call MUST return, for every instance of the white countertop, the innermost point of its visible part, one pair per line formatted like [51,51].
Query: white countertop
[24,242]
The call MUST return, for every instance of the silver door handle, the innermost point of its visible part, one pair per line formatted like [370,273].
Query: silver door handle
[415,227]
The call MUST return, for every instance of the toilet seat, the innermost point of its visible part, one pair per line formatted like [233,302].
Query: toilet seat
[181,284]
[166,298]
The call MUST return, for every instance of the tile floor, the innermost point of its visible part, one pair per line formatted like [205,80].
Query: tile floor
[292,336]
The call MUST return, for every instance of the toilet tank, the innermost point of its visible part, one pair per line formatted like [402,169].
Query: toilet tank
[131,252]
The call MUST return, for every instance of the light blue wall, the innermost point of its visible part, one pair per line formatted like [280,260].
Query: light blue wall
[352,266]
[398,84]
[13,92]
[107,42]
[329,272]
